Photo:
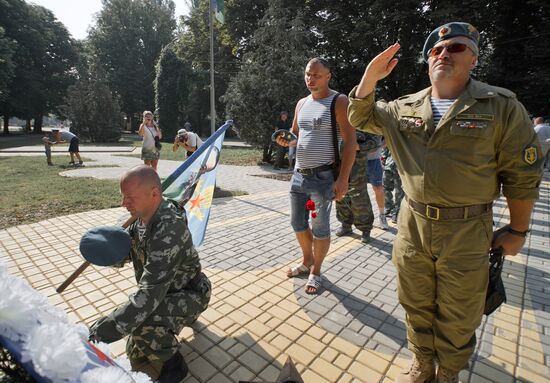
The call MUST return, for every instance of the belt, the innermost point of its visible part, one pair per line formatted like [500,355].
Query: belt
[312,171]
[447,213]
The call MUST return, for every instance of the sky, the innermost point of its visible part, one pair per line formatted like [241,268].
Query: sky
[77,15]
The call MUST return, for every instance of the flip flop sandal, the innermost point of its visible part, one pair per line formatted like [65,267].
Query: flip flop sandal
[314,281]
[298,269]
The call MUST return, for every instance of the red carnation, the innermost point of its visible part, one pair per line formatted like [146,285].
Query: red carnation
[310,205]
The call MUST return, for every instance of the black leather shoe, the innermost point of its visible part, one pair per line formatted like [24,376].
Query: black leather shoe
[344,230]
[174,370]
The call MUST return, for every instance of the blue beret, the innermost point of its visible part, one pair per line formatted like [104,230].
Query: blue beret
[105,245]
[447,31]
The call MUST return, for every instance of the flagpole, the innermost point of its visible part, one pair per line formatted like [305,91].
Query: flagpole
[212,94]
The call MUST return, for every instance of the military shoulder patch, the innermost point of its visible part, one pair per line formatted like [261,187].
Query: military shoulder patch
[530,154]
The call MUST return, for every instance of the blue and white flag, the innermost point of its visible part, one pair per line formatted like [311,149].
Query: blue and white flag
[192,184]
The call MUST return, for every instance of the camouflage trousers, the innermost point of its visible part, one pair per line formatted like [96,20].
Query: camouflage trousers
[355,208]
[392,182]
[155,341]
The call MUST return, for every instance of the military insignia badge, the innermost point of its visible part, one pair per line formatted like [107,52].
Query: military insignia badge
[471,29]
[444,31]
[530,154]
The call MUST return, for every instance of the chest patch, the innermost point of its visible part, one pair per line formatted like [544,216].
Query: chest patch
[465,124]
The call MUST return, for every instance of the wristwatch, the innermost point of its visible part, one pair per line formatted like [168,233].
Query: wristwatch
[518,233]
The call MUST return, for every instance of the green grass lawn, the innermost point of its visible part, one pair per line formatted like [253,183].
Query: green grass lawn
[33,191]
[229,155]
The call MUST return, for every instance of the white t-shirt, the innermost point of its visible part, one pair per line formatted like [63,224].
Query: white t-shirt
[66,136]
[194,140]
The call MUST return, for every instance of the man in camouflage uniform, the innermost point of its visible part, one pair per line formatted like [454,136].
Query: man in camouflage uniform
[355,208]
[457,144]
[172,290]
[392,182]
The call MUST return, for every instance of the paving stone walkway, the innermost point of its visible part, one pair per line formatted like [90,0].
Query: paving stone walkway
[352,332]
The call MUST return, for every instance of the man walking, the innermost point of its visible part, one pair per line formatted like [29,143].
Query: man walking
[313,178]
[456,144]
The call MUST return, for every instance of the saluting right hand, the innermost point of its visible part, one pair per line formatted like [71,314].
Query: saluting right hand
[379,67]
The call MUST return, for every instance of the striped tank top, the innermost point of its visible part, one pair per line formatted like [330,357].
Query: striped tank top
[315,147]
[440,106]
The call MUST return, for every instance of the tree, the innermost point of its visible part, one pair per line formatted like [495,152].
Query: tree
[92,108]
[7,66]
[171,90]
[44,54]
[128,39]
[271,76]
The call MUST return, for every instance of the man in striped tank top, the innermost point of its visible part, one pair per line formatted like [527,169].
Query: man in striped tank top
[313,177]
[456,145]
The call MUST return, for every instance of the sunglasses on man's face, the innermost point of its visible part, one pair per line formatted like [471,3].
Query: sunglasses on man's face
[451,48]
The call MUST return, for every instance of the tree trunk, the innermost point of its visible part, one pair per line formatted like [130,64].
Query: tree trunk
[38,124]
[6,124]
[28,125]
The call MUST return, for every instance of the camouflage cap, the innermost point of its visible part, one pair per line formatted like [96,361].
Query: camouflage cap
[452,29]
[105,245]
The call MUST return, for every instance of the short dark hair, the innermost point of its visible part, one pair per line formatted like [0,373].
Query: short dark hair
[322,61]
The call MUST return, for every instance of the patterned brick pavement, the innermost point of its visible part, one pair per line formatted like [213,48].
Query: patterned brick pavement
[352,332]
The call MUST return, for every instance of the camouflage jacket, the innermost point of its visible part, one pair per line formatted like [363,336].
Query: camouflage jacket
[164,261]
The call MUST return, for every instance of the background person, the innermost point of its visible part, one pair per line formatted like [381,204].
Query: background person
[188,140]
[151,133]
[282,124]
[62,136]
[375,177]
[543,133]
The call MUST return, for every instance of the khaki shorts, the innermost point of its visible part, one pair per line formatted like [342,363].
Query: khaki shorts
[150,154]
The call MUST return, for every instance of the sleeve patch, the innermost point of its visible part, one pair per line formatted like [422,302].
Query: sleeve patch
[530,154]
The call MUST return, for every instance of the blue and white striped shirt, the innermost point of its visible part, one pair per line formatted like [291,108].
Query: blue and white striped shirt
[315,147]
[440,107]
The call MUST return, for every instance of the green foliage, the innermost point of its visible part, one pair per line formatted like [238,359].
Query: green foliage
[127,39]
[7,65]
[271,75]
[94,111]
[44,55]
[171,90]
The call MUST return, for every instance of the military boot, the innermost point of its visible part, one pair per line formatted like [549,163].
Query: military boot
[173,370]
[421,370]
[446,376]
[345,229]
[365,236]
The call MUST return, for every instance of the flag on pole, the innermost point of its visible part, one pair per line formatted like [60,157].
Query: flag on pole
[219,11]
[192,184]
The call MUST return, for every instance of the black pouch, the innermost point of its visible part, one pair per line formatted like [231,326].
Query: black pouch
[496,294]
[158,145]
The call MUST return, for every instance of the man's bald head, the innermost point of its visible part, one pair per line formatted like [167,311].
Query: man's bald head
[144,175]
[141,192]
[538,120]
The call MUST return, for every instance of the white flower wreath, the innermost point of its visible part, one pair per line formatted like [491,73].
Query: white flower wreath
[56,347]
